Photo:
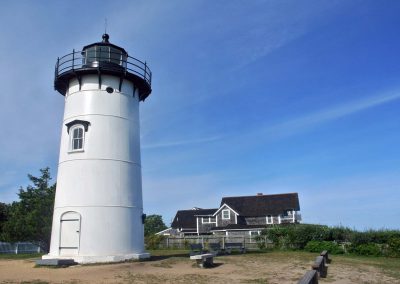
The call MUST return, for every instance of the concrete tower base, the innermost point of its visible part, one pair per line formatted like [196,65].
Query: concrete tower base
[98,259]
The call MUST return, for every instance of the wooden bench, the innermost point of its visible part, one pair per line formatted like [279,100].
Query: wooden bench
[196,249]
[311,277]
[238,246]
[204,260]
[215,248]
[326,256]
[320,267]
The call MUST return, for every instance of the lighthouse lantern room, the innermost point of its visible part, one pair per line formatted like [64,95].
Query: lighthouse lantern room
[98,211]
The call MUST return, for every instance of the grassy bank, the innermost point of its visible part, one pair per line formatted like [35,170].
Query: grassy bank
[21,256]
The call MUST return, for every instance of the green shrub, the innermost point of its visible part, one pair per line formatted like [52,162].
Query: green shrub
[340,234]
[153,241]
[274,234]
[369,249]
[299,236]
[302,234]
[186,244]
[260,242]
[374,236]
[295,236]
[394,247]
[319,246]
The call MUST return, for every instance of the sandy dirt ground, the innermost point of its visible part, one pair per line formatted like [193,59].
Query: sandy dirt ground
[257,268]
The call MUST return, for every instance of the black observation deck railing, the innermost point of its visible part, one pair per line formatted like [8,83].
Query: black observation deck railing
[114,63]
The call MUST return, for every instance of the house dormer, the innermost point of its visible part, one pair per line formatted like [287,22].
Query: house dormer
[226,215]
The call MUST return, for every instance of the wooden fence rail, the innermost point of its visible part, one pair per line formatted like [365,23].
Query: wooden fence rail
[249,243]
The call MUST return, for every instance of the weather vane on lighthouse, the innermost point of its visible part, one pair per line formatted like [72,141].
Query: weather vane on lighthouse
[98,211]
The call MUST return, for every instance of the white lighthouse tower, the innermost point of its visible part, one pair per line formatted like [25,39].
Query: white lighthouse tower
[98,211]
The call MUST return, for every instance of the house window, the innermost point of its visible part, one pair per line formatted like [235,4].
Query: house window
[270,220]
[226,214]
[287,214]
[207,220]
[254,233]
[77,138]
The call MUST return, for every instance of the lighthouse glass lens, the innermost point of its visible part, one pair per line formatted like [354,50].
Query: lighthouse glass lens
[104,53]
[90,55]
[115,56]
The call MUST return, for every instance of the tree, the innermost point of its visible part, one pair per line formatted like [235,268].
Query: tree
[30,218]
[153,224]
[4,211]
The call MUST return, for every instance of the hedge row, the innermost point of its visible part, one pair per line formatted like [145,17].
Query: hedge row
[337,240]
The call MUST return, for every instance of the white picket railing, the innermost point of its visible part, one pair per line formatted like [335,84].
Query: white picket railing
[18,248]
[249,242]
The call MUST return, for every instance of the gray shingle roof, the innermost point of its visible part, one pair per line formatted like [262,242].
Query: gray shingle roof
[262,205]
[187,218]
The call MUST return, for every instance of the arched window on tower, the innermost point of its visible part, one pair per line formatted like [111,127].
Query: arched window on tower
[77,137]
[76,130]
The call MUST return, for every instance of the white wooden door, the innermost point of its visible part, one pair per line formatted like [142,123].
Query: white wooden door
[70,233]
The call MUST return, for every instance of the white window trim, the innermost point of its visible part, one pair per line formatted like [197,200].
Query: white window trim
[229,214]
[270,219]
[71,138]
[209,220]
[222,208]
[258,233]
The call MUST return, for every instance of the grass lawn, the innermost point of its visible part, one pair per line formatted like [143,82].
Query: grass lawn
[20,256]
[390,266]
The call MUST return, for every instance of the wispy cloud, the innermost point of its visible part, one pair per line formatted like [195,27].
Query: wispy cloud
[271,41]
[310,120]
[267,30]
[181,142]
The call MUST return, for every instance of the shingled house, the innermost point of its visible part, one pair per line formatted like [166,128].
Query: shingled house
[239,215]
[186,222]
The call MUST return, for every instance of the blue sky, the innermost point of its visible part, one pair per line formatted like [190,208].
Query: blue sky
[248,97]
